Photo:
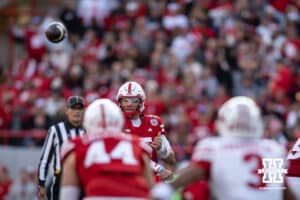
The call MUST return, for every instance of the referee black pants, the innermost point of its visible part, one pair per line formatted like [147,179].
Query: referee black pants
[54,188]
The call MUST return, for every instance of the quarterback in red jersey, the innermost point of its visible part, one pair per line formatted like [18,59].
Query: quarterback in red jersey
[131,98]
[105,163]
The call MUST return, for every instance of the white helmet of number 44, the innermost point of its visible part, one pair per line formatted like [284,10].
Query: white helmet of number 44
[103,115]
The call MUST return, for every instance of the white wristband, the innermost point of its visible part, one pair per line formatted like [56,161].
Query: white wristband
[69,192]
[157,168]
[162,191]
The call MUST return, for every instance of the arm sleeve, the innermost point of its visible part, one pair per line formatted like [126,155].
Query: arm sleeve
[47,154]
[203,154]
[165,148]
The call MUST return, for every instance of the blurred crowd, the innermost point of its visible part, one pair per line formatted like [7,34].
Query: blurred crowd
[22,187]
[190,56]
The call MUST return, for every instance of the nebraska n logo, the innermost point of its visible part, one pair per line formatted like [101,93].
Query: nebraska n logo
[273,171]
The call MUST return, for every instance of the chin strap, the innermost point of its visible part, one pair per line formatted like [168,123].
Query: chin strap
[130,114]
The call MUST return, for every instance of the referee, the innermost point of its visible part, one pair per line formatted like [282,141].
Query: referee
[57,134]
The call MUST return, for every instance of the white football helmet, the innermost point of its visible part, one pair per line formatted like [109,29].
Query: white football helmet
[132,90]
[240,116]
[103,115]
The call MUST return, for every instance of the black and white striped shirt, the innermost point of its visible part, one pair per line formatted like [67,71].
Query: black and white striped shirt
[57,134]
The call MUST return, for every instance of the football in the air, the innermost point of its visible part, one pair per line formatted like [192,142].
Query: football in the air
[56,32]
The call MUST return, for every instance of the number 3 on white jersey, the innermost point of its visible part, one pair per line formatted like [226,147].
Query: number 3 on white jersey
[97,154]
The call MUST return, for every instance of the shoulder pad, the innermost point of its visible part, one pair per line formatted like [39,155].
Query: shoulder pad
[153,120]
[67,148]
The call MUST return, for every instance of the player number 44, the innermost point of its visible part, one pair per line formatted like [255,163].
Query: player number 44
[97,154]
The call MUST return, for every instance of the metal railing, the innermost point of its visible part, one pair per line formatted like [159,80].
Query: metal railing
[8,136]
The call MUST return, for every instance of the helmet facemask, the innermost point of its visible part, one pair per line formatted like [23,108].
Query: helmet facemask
[131,93]
[131,106]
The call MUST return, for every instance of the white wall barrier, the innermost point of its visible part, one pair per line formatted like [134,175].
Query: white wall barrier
[16,158]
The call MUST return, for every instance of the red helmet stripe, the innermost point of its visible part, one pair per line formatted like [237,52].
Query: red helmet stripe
[129,88]
[103,123]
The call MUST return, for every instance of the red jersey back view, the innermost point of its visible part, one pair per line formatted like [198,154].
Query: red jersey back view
[110,165]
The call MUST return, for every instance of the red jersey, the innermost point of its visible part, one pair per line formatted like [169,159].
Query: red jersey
[294,160]
[196,190]
[4,189]
[146,127]
[110,165]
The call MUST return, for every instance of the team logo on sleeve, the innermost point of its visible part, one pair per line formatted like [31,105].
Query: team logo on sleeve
[153,122]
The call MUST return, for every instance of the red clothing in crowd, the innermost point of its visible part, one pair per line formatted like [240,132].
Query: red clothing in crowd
[4,189]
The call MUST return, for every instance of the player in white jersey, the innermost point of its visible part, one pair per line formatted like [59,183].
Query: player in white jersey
[233,161]
[294,168]
[233,164]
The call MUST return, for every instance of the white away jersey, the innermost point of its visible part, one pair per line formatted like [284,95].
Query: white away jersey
[233,164]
